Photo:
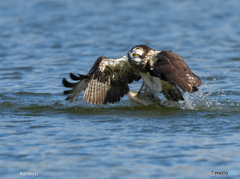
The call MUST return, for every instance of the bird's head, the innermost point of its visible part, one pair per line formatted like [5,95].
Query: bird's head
[139,56]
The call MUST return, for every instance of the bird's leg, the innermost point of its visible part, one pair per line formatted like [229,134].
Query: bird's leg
[143,88]
[148,93]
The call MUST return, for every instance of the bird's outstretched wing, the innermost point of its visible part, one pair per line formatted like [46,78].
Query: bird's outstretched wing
[173,71]
[106,82]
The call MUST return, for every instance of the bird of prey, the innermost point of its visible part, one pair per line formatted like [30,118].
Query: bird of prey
[107,81]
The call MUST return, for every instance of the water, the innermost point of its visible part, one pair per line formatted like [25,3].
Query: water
[43,41]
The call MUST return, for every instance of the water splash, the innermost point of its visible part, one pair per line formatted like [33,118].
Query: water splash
[199,100]
[195,101]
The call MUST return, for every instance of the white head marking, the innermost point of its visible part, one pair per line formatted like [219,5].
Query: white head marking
[138,52]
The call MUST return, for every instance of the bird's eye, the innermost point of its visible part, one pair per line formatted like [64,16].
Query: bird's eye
[135,55]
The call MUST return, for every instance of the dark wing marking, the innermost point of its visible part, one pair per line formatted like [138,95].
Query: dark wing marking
[106,82]
[171,68]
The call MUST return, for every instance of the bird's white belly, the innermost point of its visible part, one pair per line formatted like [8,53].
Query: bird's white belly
[153,83]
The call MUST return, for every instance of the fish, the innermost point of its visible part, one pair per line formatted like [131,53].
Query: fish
[141,99]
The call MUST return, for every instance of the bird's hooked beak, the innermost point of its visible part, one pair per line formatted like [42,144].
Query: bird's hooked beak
[129,58]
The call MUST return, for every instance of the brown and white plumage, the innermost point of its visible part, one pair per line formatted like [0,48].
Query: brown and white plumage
[172,68]
[163,72]
[108,79]
[106,82]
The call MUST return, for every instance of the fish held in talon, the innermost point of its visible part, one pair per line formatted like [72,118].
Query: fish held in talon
[108,80]
[141,99]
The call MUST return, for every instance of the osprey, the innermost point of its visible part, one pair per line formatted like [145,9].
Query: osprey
[108,79]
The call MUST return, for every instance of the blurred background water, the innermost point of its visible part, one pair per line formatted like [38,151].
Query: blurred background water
[42,41]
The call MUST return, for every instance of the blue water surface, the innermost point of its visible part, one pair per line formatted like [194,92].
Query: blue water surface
[42,41]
